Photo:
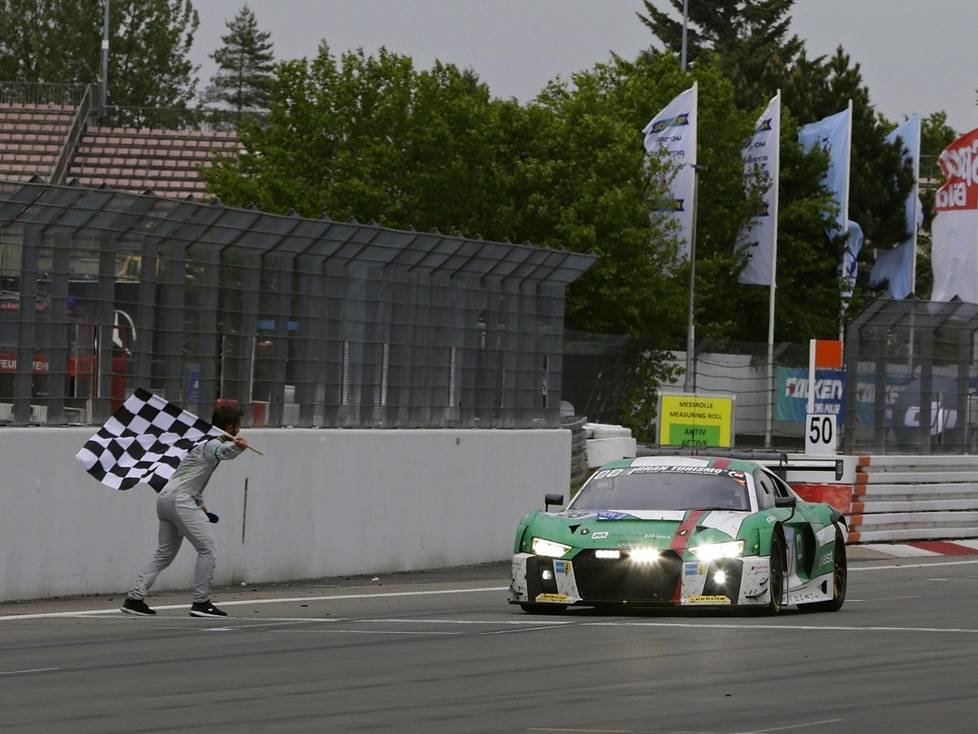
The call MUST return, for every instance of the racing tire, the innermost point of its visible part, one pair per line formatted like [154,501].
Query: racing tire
[531,608]
[778,565]
[840,578]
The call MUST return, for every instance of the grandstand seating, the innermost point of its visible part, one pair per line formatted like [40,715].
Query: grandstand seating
[31,138]
[167,162]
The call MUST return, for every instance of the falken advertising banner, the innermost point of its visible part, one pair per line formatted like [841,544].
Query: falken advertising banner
[954,249]
[672,135]
[791,401]
[760,154]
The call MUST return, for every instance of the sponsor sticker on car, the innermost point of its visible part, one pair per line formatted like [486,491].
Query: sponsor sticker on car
[707,599]
[561,598]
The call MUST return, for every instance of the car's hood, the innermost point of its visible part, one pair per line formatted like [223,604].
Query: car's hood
[619,529]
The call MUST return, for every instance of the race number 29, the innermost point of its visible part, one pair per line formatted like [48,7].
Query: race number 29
[820,434]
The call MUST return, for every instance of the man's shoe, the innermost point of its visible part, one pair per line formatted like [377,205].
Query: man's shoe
[137,607]
[205,609]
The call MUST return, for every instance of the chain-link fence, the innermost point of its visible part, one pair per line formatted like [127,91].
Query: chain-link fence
[298,321]
[912,379]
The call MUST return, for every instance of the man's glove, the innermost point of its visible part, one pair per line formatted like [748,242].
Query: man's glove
[212,517]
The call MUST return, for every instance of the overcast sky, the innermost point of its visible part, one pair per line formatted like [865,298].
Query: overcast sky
[916,56]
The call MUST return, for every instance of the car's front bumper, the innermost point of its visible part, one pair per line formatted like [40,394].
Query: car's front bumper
[587,580]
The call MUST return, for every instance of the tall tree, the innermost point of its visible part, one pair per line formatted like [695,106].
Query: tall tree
[60,41]
[245,62]
[749,37]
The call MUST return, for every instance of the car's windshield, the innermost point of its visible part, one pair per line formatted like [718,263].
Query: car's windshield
[664,488]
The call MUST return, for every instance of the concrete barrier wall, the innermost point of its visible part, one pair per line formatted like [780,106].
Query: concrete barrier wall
[318,503]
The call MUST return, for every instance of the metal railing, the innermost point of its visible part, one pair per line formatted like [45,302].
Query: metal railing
[72,137]
[39,93]
[192,118]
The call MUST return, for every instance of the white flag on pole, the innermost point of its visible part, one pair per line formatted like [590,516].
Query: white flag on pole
[898,266]
[760,236]
[672,134]
[954,247]
[834,135]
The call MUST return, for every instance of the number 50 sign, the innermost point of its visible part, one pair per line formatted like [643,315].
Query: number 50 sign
[820,434]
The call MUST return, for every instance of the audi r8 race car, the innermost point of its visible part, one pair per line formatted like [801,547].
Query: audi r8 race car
[682,531]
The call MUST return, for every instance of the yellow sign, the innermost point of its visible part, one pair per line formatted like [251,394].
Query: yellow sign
[696,420]
[553,597]
[707,599]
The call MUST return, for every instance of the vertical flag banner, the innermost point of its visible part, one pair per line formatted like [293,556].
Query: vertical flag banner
[897,266]
[672,134]
[762,151]
[834,135]
[954,249]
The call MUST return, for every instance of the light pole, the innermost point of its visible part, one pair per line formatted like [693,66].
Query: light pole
[689,382]
[103,91]
[682,58]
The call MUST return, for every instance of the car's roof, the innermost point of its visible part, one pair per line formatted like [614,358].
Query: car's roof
[718,462]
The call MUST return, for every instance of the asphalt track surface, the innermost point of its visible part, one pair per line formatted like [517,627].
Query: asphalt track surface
[444,652]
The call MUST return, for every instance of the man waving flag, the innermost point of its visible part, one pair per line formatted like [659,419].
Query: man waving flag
[143,442]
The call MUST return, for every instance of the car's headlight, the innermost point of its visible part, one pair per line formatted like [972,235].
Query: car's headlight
[707,552]
[544,547]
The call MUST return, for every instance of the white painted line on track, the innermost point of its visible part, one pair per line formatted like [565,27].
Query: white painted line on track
[793,726]
[517,631]
[883,598]
[785,627]
[283,600]
[900,551]
[28,670]
[903,565]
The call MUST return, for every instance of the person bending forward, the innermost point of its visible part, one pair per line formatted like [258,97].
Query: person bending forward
[182,513]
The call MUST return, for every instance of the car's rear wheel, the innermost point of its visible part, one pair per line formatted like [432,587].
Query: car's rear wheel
[531,608]
[840,579]
[778,564]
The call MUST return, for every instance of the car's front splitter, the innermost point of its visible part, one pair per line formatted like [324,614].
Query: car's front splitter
[670,581]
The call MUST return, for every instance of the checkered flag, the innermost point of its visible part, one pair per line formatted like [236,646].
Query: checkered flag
[143,442]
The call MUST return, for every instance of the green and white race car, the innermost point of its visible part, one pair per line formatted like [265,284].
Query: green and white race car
[682,531]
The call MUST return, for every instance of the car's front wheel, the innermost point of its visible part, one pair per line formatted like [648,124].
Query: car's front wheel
[531,608]
[840,578]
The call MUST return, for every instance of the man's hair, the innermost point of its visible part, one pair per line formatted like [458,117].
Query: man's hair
[226,416]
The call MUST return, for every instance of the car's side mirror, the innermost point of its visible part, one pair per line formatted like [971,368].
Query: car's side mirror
[786,502]
[552,499]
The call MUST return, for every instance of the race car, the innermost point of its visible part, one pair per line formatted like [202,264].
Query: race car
[686,531]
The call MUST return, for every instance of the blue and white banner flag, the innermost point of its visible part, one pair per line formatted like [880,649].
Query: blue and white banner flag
[834,135]
[761,153]
[898,266]
[672,135]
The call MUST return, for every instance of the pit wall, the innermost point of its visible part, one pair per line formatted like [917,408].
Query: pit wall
[318,503]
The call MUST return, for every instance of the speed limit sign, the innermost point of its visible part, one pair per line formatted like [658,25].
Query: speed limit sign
[820,434]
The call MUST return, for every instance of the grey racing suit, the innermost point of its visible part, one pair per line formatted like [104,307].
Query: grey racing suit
[179,510]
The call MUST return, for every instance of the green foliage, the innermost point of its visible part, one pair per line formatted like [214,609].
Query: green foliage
[245,62]
[149,45]
[749,41]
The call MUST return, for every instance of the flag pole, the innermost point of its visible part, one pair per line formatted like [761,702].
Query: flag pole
[228,437]
[769,418]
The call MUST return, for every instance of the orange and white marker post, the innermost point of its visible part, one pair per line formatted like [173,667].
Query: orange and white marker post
[821,429]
